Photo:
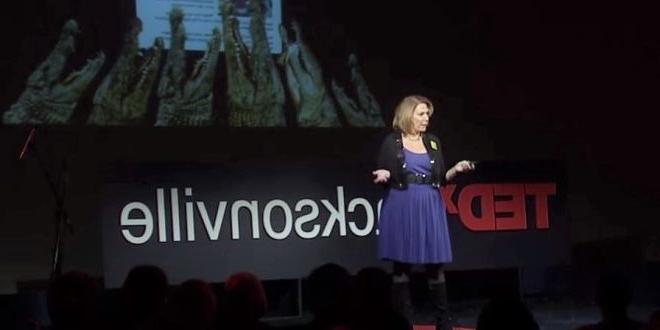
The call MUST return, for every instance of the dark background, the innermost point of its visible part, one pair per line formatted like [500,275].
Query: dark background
[512,80]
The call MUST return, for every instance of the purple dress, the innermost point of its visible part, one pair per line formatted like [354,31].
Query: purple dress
[413,222]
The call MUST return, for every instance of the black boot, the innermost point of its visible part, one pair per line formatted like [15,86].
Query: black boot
[439,302]
[401,301]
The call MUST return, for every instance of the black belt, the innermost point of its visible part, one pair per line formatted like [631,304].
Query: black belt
[418,178]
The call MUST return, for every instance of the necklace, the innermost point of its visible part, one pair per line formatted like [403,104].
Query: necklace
[419,137]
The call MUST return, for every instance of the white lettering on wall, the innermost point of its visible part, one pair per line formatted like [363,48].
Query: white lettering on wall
[147,221]
[359,215]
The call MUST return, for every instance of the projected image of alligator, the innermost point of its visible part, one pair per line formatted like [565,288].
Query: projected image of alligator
[47,98]
[255,95]
[123,96]
[186,101]
[366,111]
[252,90]
[304,77]
[241,7]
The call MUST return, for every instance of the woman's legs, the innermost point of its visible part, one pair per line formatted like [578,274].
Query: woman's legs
[435,273]
[438,294]
[401,272]
[401,300]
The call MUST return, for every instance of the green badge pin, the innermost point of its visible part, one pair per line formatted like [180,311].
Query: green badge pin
[434,145]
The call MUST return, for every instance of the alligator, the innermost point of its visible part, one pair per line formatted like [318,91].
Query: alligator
[304,77]
[366,111]
[47,98]
[255,94]
[187,102]
[123,96]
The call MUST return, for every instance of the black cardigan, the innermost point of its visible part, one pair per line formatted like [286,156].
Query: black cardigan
[391,158]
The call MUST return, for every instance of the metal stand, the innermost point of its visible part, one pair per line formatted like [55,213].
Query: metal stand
[57,184]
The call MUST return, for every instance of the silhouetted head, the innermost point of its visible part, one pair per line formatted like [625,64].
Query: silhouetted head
[73,301]
[654,320]
[506,313]
[613,294]
[373,288]
[191,306]
[144,291]
[244,298]
[329,288]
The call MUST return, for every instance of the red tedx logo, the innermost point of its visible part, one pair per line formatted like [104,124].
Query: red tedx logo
[510,201]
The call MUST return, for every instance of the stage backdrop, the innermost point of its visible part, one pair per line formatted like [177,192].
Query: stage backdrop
[281,219]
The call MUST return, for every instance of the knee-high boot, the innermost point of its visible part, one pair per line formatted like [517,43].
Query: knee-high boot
[401,300]
[439,302]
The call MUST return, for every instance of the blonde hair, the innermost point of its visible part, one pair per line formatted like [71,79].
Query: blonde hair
[403,113]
